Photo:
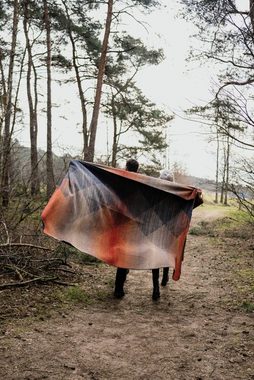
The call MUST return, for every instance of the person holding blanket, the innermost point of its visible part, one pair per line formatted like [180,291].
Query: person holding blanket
[121,273]
[165,174]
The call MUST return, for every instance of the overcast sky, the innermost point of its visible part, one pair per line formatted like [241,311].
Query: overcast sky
[178,84]
[175,84]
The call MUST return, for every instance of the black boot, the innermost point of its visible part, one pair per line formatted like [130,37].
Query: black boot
[165,277]
[156,288]
[119,293]
[156,293]
[121,274]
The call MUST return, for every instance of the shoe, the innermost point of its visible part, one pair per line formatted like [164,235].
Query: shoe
[156,294]
[164,281]
[119,294]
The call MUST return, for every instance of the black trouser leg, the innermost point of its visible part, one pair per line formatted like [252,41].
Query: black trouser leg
[165,277]
[121,275]
[156,287]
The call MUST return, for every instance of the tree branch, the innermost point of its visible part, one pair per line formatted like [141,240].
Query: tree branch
[6,245]
[234,83]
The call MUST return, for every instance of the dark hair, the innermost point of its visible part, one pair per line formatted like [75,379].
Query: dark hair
[132,165]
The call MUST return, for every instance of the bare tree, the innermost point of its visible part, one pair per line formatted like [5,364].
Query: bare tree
[217,167]
[50,172]
[32,104]
[3,103]
[78,79]
[226,29]
[5,175]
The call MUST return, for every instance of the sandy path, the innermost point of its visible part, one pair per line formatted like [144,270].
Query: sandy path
[190,333]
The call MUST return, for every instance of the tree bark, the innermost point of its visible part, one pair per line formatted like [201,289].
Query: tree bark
[114,145]
[5,175]
[79,83]
[89,154]
[32,113]
[217,168]
[227,172]
[252,14]
[3,102]
[50,172]
[223,177]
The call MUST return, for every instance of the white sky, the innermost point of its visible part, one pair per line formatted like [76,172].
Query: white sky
[177,84]
[174,84]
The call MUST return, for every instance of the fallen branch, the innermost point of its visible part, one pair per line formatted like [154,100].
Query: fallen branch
[68,271]
[58,282]
[6,245]
[18,272]
[13,267]
[6,230]
[5,316]
[61,261]
[27,282]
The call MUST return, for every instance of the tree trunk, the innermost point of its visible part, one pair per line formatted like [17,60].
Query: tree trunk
[89,155]
[223,177]
[114,145]
[3,103]
[79,83]
[50,172]
[252,14]
[34,143]
[217,168]
[5,175]
[227,171]
[13,173]
[32,114]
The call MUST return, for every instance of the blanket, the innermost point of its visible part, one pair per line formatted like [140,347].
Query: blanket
[123,218]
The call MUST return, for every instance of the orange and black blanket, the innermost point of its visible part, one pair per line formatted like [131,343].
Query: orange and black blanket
[125,219]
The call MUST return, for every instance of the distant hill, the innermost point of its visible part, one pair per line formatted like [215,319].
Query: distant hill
[202,183]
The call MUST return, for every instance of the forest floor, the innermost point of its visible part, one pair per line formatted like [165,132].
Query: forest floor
[201,328]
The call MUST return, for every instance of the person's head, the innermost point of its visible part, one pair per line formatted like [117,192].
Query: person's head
[132,165]
[165,174]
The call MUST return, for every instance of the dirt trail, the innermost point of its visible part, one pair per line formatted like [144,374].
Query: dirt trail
[192,332]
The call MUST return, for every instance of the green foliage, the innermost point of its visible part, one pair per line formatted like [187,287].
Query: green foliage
[240,216]
[75,294]
[133,48]
[248,306]
[134,112]
[147,3]
[152,169]
[232,223]
[202,228]
[74,23]
[229,27]
[247,274]
[103,294]
[76,33]
[208,12]
[60,61]
[3,13]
